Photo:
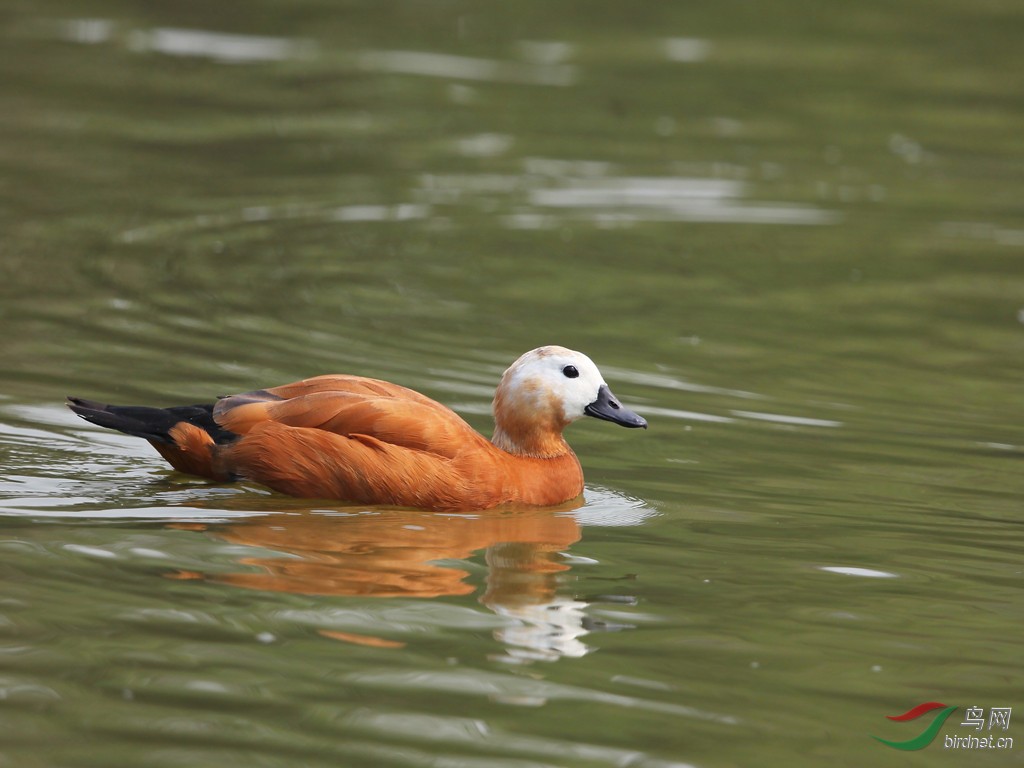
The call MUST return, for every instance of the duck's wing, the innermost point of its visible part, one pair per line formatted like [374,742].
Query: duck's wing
[351,406]
[359,440]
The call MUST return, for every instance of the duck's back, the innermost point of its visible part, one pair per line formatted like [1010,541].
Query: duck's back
[351,405]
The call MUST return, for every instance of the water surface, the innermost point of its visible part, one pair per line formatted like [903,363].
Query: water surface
[791,240]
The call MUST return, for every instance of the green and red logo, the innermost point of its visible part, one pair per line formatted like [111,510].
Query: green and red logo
[974,718]
[926,736]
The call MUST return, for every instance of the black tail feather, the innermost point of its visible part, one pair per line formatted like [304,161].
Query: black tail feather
[150,423]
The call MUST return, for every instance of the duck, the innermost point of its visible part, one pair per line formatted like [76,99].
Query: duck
[361,440]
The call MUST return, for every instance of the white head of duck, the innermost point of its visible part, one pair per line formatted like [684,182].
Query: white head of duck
[543,392]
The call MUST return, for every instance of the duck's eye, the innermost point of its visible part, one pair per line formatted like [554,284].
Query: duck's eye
[570,372]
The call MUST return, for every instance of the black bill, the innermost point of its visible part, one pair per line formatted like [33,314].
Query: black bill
[608,408]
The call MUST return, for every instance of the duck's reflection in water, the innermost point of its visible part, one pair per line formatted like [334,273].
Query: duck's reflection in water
[410,554]
[521,584]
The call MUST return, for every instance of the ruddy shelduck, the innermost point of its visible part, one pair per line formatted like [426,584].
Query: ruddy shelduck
[367,441]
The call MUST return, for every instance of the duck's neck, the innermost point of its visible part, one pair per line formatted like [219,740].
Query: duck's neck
[527,423]
[543,444]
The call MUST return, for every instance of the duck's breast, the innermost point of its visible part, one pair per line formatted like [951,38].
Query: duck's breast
[534,481]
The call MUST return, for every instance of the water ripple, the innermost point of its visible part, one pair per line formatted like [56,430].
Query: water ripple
[444,65]
[501,687]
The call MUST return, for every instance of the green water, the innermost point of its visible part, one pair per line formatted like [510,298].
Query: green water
[791,237]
